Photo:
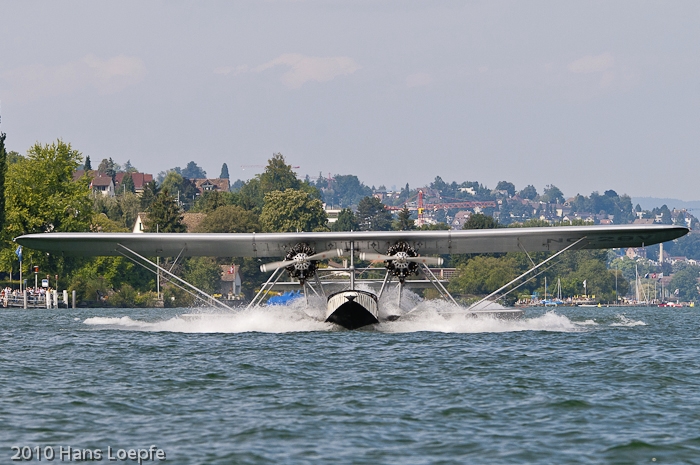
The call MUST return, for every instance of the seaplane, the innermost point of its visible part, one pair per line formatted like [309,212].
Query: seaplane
[354,303]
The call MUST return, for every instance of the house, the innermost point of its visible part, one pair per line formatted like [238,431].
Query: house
[643,221]
[331,213]
[636,252]
[190,220]
[230,284]
[209,185]
[460,218]
[103,184]
[140,181]
[139,226]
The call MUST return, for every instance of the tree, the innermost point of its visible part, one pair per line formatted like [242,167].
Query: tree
[128,183]
[202,272]
[346,221]
[686,281]
[552,194]
[42,196]
[480,221]
[150,191]
[212,200]
[87,166]
[346,190]
[529,192]
[372,215]
[192,171]
[404,222]
[483,274]
[164,215]
[224,171]
[3,171]
[291,211]
[129,168]
[108,168]
[229,219]
[509,187]
[278,175]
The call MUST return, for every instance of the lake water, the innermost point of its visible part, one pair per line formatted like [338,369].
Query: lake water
[572,385]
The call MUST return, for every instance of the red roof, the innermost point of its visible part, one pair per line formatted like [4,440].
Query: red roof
[140,179]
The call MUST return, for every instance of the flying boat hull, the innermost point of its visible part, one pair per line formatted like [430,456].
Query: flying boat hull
[352,309]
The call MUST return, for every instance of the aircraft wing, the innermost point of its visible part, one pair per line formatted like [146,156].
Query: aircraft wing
[423,242]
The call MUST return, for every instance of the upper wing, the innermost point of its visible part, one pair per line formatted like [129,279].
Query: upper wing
[424,242]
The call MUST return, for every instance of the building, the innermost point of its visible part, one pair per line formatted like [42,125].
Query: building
[140,181]
[460,218]
[209,185]
[103,184]
[190,220]
[331,213]
[230,284]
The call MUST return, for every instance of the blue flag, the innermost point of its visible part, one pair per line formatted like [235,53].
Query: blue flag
[18,252]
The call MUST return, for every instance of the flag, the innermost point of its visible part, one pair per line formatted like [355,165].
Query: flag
[231,270]
[18,252]
[584,283]
[646,276]
[660,275]
[676,292]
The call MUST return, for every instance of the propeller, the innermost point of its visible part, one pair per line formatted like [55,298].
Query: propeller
[401,257]
[301,260]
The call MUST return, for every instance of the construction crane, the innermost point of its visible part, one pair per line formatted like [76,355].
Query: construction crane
[421,206]
[264,166]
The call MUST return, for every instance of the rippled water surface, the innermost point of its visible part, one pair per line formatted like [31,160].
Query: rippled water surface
[594,385]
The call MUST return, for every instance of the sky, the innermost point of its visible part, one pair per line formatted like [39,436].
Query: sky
[587,96]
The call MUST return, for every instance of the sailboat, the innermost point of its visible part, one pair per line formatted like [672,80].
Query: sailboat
[554,302]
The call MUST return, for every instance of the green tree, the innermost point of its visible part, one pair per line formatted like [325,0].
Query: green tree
[42,196]
[150,191]
[87,166]
[404,222]
[529,192]
[372,215]
[108,167]
[130,205]
[3,171]
[192,171]
[128,183]
[686,281]
[224,171]
[164,215]
[202,272]
[509,187]
[482,275]
[480,221]
[346,221]
[229,219]
[211,200]
[552,194]
[292,210]
[278,175]
[129,168]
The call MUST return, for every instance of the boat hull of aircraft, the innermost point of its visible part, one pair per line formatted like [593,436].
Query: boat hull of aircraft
[352,309]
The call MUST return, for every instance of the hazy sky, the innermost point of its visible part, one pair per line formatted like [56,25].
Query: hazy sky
[585,95]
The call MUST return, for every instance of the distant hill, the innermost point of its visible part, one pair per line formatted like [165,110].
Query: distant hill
[649,203]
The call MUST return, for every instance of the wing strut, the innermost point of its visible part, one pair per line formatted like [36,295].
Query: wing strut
[261,293]
[209,299]
[474,305]
[437,284]
[387,280]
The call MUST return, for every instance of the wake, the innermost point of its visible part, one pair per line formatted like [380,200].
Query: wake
[297,316]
